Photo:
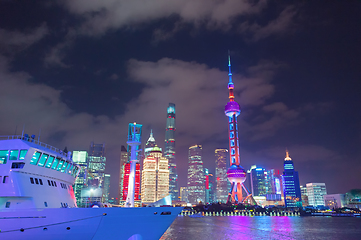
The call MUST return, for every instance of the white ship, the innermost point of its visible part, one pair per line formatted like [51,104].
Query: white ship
[37,200]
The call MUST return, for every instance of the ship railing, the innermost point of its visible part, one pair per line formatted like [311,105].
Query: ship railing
[29,139]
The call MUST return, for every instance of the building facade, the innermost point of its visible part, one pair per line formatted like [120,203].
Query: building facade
[209,186]
[183,192]
[169,151]
[291,184]
[155,177]
[96,165]
[80,158]
[222,183]
[257,179]
[195,183]
[304,196]
[315,193]
[106,188]
[123,161]
[333,201]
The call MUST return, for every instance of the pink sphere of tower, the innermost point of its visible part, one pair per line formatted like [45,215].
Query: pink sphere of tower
[236,174]
[232,108]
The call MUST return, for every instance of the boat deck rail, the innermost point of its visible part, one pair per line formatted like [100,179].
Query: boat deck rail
[33,140]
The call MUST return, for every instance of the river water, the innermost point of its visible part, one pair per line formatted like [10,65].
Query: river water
[263,227]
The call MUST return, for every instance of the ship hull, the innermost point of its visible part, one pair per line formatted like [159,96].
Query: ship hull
[87,223]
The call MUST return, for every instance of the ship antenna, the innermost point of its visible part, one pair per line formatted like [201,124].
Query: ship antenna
[39,135]
[22,134]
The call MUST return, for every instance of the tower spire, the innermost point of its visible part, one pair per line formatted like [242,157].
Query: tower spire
[287,158]
[230,83]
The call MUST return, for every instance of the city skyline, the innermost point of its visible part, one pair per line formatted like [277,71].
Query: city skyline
[76,73]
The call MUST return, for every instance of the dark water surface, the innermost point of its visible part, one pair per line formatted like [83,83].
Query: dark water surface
[243,227]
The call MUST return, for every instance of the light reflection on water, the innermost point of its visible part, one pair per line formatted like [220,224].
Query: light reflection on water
[243,227]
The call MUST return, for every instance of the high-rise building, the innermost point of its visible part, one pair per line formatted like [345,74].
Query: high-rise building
[315,193]
[304,196]
[149,145]
[155,176]
[96,165]
[209,186]
[106,188]
[80,158]
[257,178]
[291,184]
[169,151]
[195,183]
[221,175]
[353,198]
[236,173]
[183,192]
[123,161]
[273,185]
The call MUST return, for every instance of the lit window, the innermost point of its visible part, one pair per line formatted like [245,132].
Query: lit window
[22,154]
[55,163]
[3,156]
[14,154]
[49,162]
[35,158]
[42,160]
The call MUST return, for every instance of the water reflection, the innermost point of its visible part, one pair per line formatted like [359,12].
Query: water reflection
[263,227]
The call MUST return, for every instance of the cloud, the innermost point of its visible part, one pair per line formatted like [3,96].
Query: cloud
[111,14]
[14,41]
[280,25]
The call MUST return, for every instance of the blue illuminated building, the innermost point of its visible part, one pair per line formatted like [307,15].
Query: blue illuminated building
[291,184]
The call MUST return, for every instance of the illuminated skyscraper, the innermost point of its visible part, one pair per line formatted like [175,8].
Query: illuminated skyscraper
[96,165]
[196,180]
[291,184]
[221,175]
[183,192]
[209,186]
[315,193]
[149,145]
[80,158]
[155,176]
[123,161]
[273,185]
[236,173]
[106,188]
[257,177]
[169,151]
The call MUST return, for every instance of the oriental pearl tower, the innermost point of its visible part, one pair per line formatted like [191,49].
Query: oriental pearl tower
[236,173]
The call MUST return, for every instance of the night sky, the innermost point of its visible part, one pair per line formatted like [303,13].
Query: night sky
[81,70]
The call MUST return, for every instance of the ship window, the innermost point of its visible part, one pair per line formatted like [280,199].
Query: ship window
[0,178]
[41,181]
[43,159]
[49,162]
[36,181]
[64,166]
[14,154]
[17,165]
[70,168]
[3,156]
[60,165]
[52,183]
[45,204]
[7,205]
[5,180]
[49,183]
[35,158]
[55,184]
[32,180]
[55,163]
[22,154]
